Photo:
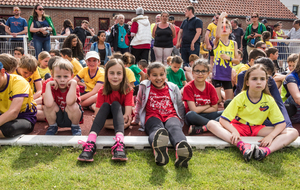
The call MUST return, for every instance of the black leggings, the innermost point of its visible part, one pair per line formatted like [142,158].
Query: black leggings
[16,127]
[114,111]
[172,125]
[193,118]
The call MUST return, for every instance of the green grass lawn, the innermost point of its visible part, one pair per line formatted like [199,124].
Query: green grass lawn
[58,168]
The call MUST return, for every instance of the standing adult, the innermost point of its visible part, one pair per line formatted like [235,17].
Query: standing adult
[210,35]
[83,31]
[238,33]
[2,32]
[172,21]
[152,54]
[189,35]
[67,28]
[118,35]
[163,34]
[294,33]
[253,32]
[141,33]
[40,28]
[15,26]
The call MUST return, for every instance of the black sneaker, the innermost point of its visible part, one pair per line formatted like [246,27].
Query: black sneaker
[194,130]
[118,151]
[247,151]
[183,154]
[89,150]
[260,153]
[160,147]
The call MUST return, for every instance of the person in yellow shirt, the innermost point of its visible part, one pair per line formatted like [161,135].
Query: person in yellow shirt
[66,53]
[43,60]
[210,35]
[245,114]
[17,107]
[93,77]
[266,36]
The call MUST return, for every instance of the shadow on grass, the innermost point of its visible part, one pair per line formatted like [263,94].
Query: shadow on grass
[34,155]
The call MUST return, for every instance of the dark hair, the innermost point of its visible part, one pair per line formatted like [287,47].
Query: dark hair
[52,60]
[259,44]
[255,53]
[68,24]
[270,51]
[297,68]
[202,62]
[35,15]
[155,65]
[276,25]
[124,87]
[297,21]
[55,51]
[9,62]
[20,49]
[66,51]
[265,35]
[235,21]
[267,63]
[191,8]
[143,63]
[76,51]
[247,76]
[177,59]
[100,32]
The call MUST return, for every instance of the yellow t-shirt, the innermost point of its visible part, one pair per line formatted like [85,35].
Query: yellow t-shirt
[269,44]
[212,28]
[245,67]
[43,72]
[249,113]
[130,75]
[90,81]
[76,66]
[32,79]
[17,86]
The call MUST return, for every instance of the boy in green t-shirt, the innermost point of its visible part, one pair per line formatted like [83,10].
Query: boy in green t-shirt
[175,73]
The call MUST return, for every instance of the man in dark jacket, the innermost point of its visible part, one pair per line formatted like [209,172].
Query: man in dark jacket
[118,35]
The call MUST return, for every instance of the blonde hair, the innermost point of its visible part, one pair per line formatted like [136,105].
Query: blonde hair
[63,64]
[9,62]
[169,59]
[43,55]
[28,62]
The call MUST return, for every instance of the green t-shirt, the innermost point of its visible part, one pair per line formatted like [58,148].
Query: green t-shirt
[176,78]
[136,70]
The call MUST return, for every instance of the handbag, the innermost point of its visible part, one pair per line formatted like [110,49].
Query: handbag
[40,34]
[127,39]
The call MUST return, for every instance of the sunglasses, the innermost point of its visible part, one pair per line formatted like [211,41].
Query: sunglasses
[16,9]
[197,72]
[254,16]
[41,9]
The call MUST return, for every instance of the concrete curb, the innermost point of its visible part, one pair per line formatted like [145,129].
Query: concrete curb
[136,142]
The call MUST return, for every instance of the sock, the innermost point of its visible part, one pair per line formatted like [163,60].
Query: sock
[120,137]
[53,125]
[240,143]
[92,137]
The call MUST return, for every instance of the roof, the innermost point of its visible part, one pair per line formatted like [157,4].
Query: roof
[266,8]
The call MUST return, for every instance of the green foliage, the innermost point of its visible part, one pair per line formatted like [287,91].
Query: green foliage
[58,168]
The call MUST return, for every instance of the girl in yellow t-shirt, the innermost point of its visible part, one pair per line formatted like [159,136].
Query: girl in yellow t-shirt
[17,107]
[245,115]
[43,68]
[266,36]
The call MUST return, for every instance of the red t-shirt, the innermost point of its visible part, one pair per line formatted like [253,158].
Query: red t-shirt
[201,98]
[60,97]
[159,104]
[176,32]
[45,83]
[145,70]
[123,99]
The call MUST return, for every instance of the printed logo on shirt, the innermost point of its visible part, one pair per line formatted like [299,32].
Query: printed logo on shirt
[200,101]
[160,103]
[264,107]
[16,23]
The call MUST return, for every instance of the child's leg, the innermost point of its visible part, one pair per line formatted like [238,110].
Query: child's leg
[100,118]
[188,75]
[16,127]
[50,114]
[196,122]
[217,129]
[74,113]
[218,89]
[183,150]
[228,94]
[89,101]
[38,101]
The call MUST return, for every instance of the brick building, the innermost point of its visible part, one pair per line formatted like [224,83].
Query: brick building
[100,12]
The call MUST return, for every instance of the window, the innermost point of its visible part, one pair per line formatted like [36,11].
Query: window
[295,9]
[78,20]
[103,23]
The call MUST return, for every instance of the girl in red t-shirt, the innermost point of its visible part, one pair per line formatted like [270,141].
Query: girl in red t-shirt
[160,109]
[114,101]
[200,99]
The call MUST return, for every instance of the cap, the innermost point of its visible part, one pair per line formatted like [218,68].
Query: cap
[171,18]
[139,11]
[264,21]
[92,54]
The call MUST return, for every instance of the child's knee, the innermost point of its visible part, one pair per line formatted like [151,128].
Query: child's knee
[211,124]
[72,108]
[115,104]
[50,108]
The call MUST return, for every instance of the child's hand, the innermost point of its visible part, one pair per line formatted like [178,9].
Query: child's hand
[134,123]
[127,120]
[72,82]
[223,15]
[54,84]
[225,57]
[235,137]
[266,141]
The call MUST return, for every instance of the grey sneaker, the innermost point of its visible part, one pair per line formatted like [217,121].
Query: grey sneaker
[52,130]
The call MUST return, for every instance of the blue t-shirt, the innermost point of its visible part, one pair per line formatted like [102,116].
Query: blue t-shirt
[16,25]
[44,24]
[122,34]
[189,27]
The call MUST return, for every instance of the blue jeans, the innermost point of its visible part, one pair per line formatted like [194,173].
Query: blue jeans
[41,45]
[186,52]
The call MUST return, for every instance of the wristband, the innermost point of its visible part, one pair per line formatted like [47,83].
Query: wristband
[230,59]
